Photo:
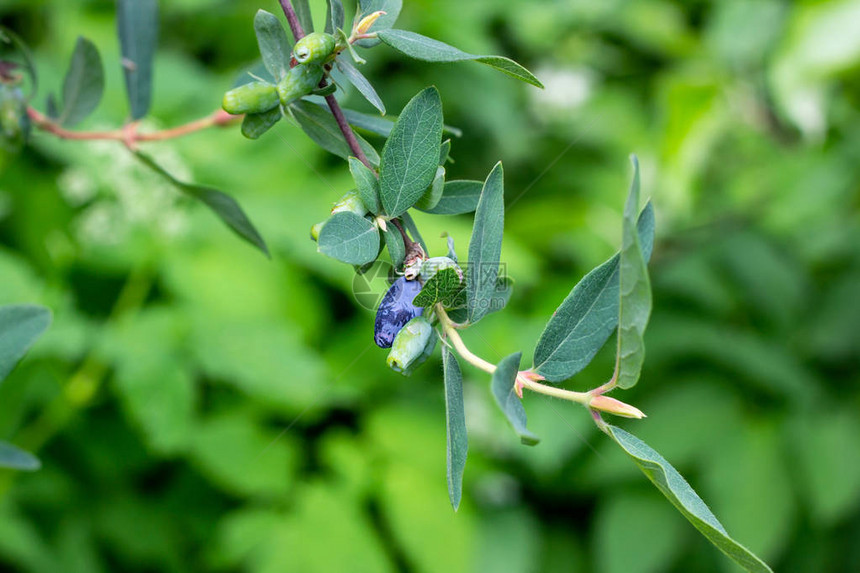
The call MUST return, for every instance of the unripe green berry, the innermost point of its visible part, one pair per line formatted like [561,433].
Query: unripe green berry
[299,82]
[315,230]
[254,97]
[350,202]
[411,346]
[315,48]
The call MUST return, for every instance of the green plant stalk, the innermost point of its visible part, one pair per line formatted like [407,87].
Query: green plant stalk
[526,380]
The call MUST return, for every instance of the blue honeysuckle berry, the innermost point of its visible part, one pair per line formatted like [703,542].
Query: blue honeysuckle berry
[395,310]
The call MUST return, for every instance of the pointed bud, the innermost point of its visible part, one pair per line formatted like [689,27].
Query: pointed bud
[617,407]
[366,22]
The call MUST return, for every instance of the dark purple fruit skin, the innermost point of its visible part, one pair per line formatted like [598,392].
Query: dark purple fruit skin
[395,310]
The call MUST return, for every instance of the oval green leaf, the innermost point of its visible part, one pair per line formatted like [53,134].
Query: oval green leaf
[430,50]
[455,423]
[679,493]
[367,185]
[17,459]
[227,209]
[485,247]
[349,238]
[361,83]
[137,24]
[274,45]
[83,85]
[319,124]
[458,197]
[20,326]
[506,397]
[411,153]
[634,306]
[583,322]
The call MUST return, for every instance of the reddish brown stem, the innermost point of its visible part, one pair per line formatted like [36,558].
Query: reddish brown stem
[128,134]
[292,20]
[345,129]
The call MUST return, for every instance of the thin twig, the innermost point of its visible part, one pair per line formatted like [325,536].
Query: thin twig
[292,20]
[343,125]
[128,134]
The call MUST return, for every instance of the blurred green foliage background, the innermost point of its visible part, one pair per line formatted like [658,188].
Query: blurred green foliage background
[200,408]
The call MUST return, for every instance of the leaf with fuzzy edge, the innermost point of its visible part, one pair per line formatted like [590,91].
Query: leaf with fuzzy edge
[319,124]
[137,23]
[227,209]
[83,85]
[367,185]
[430,50]
[349,238]
[634,307]
[679,493]
[361,83]
[584,321]
[396,248]
[509,403]
[20,326]
[455,422]
[411,153]
[485,246]
[274,45]
[15,458]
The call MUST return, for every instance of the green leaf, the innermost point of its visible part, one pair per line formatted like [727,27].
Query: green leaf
[20,326]
[457,197]
[386,21]
[227,209]
[349,238]
[319,124]
[509,403]
[430,50]
[485,247]
[635,294]
[587,317]
[382,126]
[455,417]
[396,248]
[361,83]
[17,459]
[432,196]
[411,153]
[274,45]
[681,495]
[137,24]
[367,185]
[256,124]
[444,151]
[444,287]
[413,230]
[334,17]
[303,12]
[84,83]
